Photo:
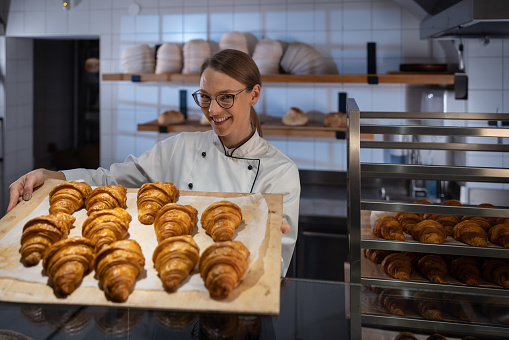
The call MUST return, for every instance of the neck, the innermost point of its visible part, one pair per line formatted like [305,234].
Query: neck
[230,144]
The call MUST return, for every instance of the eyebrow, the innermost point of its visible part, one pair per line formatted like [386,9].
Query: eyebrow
[220,92]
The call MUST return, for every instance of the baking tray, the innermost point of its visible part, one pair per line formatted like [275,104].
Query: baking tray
[257,293]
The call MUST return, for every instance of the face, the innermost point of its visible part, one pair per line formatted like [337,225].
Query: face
[232,125]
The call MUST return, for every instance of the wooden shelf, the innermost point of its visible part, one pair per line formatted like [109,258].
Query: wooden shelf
[313,129]
[391,78]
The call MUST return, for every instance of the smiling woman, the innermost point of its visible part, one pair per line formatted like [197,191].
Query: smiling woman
[233,157]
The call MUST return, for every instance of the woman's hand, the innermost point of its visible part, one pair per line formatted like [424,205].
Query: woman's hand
[285,228]
[24,186]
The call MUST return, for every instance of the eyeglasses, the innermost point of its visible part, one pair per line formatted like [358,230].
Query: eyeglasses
[225,100]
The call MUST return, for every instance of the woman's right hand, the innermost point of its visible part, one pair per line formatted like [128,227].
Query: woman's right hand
[24,186]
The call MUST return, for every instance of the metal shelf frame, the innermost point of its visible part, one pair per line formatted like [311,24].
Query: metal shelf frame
[356,205]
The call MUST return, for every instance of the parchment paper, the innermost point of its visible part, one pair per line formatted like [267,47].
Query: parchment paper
[251,232]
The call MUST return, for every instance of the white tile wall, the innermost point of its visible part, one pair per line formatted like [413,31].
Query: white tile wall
[338,29]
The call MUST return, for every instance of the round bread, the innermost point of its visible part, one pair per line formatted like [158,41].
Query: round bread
[170,117]
[335,119]
[295,117]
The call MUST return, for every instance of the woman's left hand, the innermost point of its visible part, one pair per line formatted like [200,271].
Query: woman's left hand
[285,228]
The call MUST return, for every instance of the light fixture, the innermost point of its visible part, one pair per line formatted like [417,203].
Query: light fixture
[66,4]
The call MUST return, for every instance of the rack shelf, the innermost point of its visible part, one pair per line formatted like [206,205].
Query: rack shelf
[359,224]
[313,129]
[392,78]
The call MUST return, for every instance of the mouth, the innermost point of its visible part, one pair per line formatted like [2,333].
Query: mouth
[219,120]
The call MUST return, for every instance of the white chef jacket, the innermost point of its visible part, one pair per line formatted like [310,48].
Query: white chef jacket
[199,161]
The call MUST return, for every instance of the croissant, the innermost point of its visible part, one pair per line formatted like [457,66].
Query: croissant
[496,271]
[492,220]
[394,301]
[389,228]
[459,306]
[220,220]
[117,265]
[482,221]
[174,258]
[397,265]
[499,234]
[405,336]
[436,337]
[222,265]
[68,197]
[433,267]
[466,269]
[447,221]
[40,232]
[174,320]
[414,257]
[106,226]
[67,261]
[471,233]
[408,221]
[424,201]
[429,231]
[174,219]
[106,197]
[376,255]
[151,197]
[428,305]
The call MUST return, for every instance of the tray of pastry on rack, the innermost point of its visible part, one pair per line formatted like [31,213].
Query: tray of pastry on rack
[149,247]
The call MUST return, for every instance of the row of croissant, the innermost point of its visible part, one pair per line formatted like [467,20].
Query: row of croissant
[118,261]
[434,267]
[435,228]
[432,305]
[436,336]
[119,322]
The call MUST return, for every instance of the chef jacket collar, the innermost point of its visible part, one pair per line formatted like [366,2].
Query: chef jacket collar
[254,147]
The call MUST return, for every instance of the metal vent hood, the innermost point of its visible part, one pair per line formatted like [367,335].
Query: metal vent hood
[464,18]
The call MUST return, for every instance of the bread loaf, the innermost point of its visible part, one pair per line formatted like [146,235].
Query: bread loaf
[295,117]
[170,117]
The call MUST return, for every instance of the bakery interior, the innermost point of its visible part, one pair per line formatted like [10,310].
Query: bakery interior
[439,69]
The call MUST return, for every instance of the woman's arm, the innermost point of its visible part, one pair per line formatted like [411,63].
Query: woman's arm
[24,186]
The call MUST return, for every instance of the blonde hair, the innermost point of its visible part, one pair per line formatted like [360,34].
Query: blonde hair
[241,67]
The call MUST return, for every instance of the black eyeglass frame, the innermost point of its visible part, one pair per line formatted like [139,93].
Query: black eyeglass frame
[195,97]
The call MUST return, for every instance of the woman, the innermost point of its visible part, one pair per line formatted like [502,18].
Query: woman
[230,158]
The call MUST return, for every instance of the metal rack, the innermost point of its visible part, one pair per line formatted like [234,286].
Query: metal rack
[357,206]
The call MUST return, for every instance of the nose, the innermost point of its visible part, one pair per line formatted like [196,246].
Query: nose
[214,107]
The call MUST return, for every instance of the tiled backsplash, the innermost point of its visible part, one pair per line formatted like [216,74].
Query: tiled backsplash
[338,29]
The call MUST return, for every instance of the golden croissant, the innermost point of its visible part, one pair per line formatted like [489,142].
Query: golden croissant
[470,232]
[408,220]
[67,261]
[151,197]
[174,258]
[429,231]
[499,234]
[466,269]
[433,267]
[68,197]
[496,271]
[394,301]
[106,226]
[41,232]
[174,219]
[389,228]
[397,265]
[106,197]
[117,266]
[220,220]
[428,305]
[376,255]
[222,265]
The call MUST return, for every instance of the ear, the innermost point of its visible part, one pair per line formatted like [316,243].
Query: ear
[255,94]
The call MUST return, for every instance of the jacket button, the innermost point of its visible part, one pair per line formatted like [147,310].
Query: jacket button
[190,185]
[250,167]
[204,154]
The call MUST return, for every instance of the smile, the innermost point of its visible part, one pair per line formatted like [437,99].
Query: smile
[220,120]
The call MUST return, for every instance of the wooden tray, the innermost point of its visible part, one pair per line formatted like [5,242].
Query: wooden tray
[258,292]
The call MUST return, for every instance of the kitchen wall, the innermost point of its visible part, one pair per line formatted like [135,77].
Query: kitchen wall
[338,29]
